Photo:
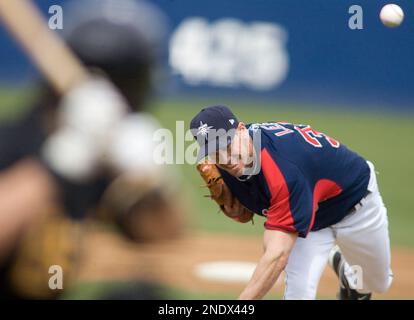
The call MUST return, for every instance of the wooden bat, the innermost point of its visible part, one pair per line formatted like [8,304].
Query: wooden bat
[48,52]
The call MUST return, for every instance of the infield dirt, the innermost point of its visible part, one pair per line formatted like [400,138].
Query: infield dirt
[109,257]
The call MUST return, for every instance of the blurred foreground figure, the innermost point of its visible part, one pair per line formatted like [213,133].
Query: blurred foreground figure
[59,160]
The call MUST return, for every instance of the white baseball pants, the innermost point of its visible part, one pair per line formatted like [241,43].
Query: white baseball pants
[363,239]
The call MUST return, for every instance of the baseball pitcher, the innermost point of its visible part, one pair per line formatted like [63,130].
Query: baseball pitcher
[320,200]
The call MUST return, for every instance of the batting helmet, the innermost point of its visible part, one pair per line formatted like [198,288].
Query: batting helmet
[123,38]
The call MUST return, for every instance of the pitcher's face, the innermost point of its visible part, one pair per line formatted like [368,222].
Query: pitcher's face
[239,154]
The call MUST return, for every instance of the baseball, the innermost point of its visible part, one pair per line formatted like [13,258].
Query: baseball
[391,15]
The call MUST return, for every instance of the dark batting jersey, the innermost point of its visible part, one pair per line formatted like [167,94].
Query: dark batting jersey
[21,138]
[307,180]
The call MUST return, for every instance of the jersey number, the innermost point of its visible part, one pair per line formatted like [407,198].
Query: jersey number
[311,136]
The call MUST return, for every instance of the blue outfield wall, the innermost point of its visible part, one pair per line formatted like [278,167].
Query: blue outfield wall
[290,50]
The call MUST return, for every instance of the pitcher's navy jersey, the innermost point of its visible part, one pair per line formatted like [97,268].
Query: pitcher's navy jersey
[307,180]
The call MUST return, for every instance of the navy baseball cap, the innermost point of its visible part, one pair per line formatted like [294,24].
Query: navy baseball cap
[214,128]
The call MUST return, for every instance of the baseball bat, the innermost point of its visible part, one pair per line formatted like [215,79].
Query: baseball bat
[48,52]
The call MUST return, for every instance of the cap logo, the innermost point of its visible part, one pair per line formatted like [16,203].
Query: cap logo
[231,121]
[203,129]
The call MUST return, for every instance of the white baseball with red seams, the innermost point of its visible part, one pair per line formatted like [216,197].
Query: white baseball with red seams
[392,15]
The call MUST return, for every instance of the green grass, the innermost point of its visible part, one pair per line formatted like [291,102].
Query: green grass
[100,290]
[13,102]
